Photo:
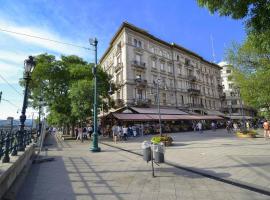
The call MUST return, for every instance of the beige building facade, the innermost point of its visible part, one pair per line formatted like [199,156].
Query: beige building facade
[140,62]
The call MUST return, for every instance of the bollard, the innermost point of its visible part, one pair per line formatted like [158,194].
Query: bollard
[16,144]
[146,146]
[158,150]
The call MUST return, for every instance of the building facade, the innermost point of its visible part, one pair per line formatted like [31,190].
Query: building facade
[233,105]
[140,62]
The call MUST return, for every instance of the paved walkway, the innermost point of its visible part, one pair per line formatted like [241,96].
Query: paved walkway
[246,161]
[114,174]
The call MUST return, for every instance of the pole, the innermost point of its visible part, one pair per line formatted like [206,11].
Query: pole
[23,117]
[159,117]
[95,147]
[242,111]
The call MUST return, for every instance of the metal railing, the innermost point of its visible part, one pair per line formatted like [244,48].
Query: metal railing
[10,140]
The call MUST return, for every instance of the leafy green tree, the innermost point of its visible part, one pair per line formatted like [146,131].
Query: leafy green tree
[250,60]
[66,87]
[255,13]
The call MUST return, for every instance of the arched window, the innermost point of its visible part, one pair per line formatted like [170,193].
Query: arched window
[139,44]
[135,42]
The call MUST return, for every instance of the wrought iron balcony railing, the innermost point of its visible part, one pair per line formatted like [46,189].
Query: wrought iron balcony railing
[138,64]
[193,91]
[191,78]
[141,102]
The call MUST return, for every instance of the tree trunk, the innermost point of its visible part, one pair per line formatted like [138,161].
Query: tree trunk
[73,130]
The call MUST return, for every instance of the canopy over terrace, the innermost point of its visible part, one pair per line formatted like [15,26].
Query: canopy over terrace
[155,117]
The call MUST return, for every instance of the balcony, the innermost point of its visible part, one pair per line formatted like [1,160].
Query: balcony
[118,103]
[118,67]
[138,64]
[193,91]
[222,96]
[140,82]
[191,78]
[193,105]
[141,102]
[220,87]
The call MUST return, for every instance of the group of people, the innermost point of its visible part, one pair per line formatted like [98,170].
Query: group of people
[123,132]
[266,127]
[82,133]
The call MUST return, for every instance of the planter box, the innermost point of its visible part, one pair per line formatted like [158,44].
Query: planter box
[241,135]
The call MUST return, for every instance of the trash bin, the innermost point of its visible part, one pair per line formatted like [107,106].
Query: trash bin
[158,150]
[146,147]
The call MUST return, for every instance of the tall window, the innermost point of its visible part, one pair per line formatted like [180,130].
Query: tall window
[138,58]
[140,44]
[162,67]
[177,57]
[187,61]
[179,69]
[154,63]
[164,98]
[135,42]
[119,60]
[171,83]
[170,68]
[139,94]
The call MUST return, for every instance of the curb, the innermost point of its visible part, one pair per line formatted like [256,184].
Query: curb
[196,171]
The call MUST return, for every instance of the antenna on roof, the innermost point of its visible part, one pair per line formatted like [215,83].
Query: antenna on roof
[213,50]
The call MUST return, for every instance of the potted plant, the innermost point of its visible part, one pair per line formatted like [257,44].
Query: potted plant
[167,140]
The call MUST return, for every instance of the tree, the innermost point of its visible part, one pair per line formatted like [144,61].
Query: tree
[250,60]
[66,87]
[256,13]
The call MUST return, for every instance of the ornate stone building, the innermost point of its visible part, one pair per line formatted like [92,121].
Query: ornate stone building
[138,61]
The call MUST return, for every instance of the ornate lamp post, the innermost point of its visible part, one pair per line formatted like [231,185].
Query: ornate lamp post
[29,65]
[95,147]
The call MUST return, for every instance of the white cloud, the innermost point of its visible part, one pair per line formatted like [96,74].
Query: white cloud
[44,44]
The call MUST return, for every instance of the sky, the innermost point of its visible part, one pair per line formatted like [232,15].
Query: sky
[75,21]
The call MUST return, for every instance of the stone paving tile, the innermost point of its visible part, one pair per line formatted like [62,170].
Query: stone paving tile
[79,174]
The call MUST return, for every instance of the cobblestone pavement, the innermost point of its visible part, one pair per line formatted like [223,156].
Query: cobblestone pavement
[111,174]
[245,160]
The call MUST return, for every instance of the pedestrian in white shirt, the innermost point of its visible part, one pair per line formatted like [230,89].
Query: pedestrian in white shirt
[199,126]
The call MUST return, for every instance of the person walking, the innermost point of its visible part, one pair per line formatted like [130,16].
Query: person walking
[80,132]
[125,132]
[213,126]
[229,126]
[199,126]
[266,129]
[114,133]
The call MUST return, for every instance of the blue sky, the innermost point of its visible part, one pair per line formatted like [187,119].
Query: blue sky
[75,21]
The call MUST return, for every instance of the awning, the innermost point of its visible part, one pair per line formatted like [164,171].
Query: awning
[131,117]
[215,112]
[207,117]
[171,117]
[155,117]
[239,117]
[166,111]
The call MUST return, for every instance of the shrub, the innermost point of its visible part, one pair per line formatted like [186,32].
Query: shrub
[158,139]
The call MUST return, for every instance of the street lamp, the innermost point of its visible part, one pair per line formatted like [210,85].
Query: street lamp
[29,65]
[157,83]
[242,109]
[95,147]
